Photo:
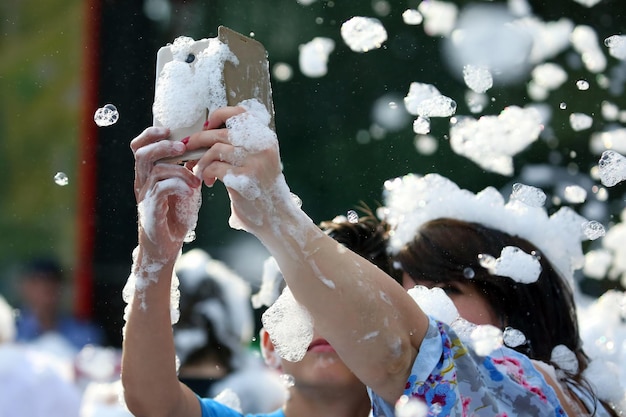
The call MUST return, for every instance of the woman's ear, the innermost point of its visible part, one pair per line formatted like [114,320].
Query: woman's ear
[269,353]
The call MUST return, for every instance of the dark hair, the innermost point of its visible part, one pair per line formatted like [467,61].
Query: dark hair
[43,268]
[544,310]
[193,317]
[366,237]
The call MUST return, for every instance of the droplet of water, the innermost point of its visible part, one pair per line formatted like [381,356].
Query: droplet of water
[563,106]
[106,115]
[469,273]
[61,179]
[352,216]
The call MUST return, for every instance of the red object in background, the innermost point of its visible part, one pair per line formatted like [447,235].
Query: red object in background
[84,273]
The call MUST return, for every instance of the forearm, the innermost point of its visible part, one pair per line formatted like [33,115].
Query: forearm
[366,316]
[151,385]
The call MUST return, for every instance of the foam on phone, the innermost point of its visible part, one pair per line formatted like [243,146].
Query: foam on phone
[192,84]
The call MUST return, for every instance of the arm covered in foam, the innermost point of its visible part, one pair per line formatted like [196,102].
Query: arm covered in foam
[373,324]
[168,202]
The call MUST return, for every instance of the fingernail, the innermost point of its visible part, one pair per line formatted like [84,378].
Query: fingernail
[179,146]
[185,140]
[205,125]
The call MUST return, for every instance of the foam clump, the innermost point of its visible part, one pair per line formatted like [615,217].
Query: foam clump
[363,34]
[313,56]
[516,264]
[290,326]
[271,283]
[413,200]
[492,141]
[477,78]
[612,168]
[435,303]
[192,83]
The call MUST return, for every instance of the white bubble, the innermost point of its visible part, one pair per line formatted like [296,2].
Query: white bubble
[469,273]
[440,17]
[593,230]
[282,71]
[288,380]
[564,358]
[549,75]
[562,105]
[492,141]
[610,111]
[476,101]
[617,46]
[410,407]
[612,168]
[363,34]
[412,17]
[529,195]
[485,36]
[477,78]
[582,85]
[190,236]
[580,121]
[485,339]
[296,200]
[425,144]
[313,56]
[106,115]
[60,178]
[575,194]
[421,125]
[438,106]
[513,337]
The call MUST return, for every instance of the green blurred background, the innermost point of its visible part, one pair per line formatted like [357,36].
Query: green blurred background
[333,153]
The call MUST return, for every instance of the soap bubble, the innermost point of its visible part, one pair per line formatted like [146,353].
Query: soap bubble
[106,115]
[61,179]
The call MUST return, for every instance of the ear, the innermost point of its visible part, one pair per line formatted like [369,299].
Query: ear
[269,352]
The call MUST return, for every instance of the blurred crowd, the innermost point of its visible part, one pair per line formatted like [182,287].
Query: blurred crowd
[55,364]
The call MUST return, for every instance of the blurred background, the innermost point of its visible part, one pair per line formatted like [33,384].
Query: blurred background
[67,189]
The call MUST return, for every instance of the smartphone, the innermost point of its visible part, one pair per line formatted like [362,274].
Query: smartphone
[249,78]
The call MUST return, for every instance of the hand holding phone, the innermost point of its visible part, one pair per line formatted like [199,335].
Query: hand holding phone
[195,77]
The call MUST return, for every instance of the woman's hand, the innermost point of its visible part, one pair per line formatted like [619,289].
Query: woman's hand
[243,154]
[168,195]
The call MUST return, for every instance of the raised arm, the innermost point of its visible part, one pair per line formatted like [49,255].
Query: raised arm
[369,319]
[168,202]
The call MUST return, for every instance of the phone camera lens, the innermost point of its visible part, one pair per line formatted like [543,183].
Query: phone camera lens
[190,58]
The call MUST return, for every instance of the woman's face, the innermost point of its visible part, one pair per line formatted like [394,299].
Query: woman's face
[468,299]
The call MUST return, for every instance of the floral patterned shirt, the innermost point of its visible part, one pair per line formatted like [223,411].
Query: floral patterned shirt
[453,380]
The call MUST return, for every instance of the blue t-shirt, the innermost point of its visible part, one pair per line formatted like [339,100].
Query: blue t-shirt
[452,380]
[212,408]
[77,333]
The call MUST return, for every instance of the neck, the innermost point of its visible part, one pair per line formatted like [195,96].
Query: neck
[329,402]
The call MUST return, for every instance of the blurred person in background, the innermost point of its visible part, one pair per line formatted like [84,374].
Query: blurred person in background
[214,333]
[33,383]
[41,288]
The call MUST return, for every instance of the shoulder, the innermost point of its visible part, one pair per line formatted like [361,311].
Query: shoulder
[449,372]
